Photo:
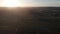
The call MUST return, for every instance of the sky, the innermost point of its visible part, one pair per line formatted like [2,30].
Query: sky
[39,2]
[44,2]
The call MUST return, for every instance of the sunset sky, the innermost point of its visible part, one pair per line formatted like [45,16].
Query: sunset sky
[37,2]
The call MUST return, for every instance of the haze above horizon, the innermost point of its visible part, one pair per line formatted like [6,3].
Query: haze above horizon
[36,3]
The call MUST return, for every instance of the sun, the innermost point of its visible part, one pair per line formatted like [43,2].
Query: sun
[10,3]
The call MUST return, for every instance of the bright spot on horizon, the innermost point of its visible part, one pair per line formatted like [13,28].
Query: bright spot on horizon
[10,3]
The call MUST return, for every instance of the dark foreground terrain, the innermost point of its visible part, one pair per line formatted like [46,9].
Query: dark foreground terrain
[30,20]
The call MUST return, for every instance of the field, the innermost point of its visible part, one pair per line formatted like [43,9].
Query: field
[30,20]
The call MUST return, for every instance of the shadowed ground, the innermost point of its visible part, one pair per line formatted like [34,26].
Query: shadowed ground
[31,20]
